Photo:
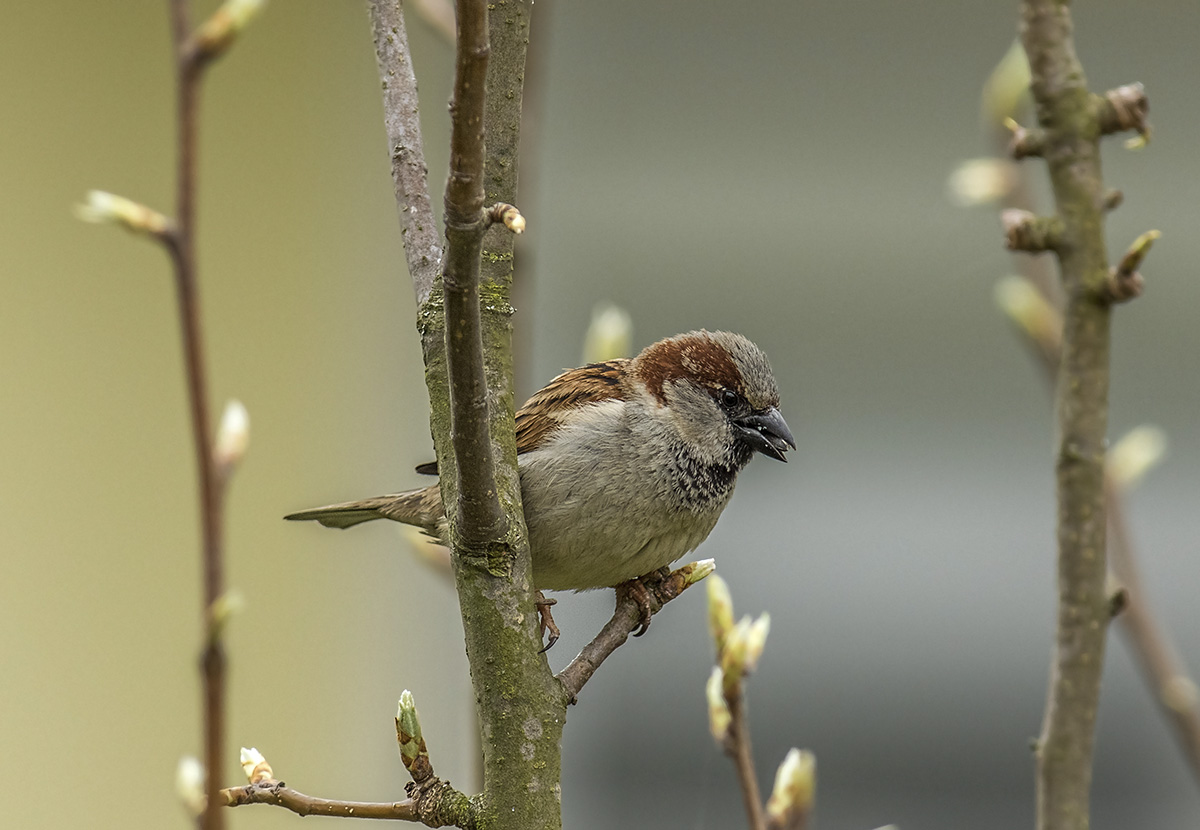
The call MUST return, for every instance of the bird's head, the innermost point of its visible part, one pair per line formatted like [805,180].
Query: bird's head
[716,389]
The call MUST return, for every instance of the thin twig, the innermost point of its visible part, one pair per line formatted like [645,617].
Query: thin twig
[1165,675]
[625,620]
[410,176]
[490,555]
[738,747]
[1163,671]
[189,65]
[280,795]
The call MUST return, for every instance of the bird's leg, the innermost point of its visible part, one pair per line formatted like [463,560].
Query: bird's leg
[543,607]
[640,591]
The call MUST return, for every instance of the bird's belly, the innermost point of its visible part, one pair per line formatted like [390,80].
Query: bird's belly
[601,536]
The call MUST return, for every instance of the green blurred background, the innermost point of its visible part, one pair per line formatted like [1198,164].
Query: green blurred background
[775,168]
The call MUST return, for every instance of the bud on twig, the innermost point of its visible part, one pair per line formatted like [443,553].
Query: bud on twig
[1025,142]
[189,785]
[743,647]
[255,766]
[412,744]
[1026,231]
[509,215]
[693,572]
[981,181]
[1135,454]
[719,718]
[1126,108]
[720,612]
[233,437]
[795,790]
[610,334]
[1124,281]
[102,207]
[756,641]
[1006,86]
[732,658]
[217,33]
[222,611]
[1032,313]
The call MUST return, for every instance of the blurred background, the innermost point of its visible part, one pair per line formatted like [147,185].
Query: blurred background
[773,168]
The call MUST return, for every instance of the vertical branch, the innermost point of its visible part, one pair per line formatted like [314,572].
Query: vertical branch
[212,660]
[480,518]
[1071,126]
[194,52]
[402,124]
[468,360]
[737,746]
[215,461]
[1034,303]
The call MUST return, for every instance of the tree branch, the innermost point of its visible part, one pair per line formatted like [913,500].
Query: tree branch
[1164,674]
[432,802]
[625,620]
[193,53]
[1032,303]
[401,120]
[467,349]
[738,747]
[280,795]
[1071,128]
[480,519]
[1173,690]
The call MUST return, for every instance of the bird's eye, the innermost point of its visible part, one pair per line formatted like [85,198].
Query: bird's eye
[729,398]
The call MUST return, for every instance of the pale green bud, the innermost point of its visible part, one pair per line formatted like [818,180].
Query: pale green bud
[795,788]
[255,766]
[1006,86]
[719,718]
[103,207]
[981,181]
[1135,454]
[733,654]
[756,641]
[610,334]
[1029,310]
[720,611]
[189,785]
[217,33]
[233,436]
[408,727]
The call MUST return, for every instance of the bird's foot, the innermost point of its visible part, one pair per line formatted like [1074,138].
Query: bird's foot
[644,591]
[547,621]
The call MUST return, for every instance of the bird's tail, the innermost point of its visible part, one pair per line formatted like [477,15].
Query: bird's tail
[420,508]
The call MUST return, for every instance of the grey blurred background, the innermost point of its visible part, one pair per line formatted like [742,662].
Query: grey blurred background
[774,168]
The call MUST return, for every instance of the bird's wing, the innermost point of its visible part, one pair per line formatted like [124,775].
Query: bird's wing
[543,414]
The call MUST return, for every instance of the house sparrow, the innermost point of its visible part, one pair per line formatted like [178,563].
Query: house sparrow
[625,465]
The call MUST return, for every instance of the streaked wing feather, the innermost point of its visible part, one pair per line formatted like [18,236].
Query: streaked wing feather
[541,415]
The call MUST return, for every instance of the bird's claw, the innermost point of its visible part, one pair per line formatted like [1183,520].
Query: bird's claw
[638,591]
[547,621]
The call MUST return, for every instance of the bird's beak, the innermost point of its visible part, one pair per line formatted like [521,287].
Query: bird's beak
[766,432]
